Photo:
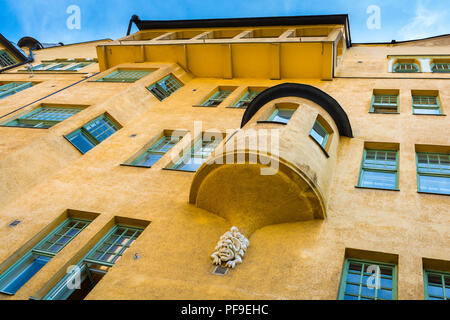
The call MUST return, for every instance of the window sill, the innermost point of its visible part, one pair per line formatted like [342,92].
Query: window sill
[170,169]
[275,122]
[423,114]
[373,112]
[373,188]
[4,126]
[240,108]
[133,165]
[201,106]
[320,146]
[434,193]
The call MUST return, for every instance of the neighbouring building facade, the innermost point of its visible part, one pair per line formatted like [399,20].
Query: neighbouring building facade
[125,164]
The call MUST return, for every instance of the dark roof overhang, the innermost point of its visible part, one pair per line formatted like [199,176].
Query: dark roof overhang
[16,52]
[302,91]
[244,22]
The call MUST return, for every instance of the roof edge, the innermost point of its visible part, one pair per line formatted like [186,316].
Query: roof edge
[403,41]
[244,22]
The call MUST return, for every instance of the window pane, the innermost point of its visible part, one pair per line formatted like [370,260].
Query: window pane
[101,128]
[157,151]
[11,88]
[217,98]
[80,141]
[21,272]
[246,99]
[435,291]
[434,184]
[352,289]
[44,117]
[319,134]
[385,294]
[282,115]
[147,159]
[165,87]
[125,76]
[190,164]
[6,59]
[427,110]
[378,179]
[111,248]
[358,283]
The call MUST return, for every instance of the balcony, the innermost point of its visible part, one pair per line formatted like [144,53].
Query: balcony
[287,179]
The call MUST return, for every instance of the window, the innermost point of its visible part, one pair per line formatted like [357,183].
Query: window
[91,134]
[406,67]
[217,98]
[197,155]
[79,66]
[281,115]
[433,173]
[43,117]
[62,65]
[379,169]
[13,87]
[125,76]
[320,134]
[156,151]
[244,102]
[441,67]
[41,66]
[384,103]
[360,281]
[6,59]
[426,104]
[33,261]
[95,264]
[165,87]
[437,285]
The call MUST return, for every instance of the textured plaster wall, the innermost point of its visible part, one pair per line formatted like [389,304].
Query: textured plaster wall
[42,175]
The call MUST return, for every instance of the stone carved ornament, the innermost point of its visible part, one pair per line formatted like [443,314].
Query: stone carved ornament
[230,249]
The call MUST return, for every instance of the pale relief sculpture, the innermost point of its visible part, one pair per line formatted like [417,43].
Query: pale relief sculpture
[230,249]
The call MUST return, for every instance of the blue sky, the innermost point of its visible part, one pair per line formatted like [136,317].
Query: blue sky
[46,19]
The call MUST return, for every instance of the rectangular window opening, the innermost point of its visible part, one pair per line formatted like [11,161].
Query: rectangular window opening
[93,133]
[7,59]
[245,101]
[165,87]
[11,88]
[150,156]
[281,115]
[44,117]
[128,76]
[384,104]
[379,169]
[197,155]
[437,285]
[367,280]
[433,172]
[218,97]
[95,263]
[426,104]
[34,260]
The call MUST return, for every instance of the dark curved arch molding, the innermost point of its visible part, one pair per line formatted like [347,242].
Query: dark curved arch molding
[302,91]
[30,43]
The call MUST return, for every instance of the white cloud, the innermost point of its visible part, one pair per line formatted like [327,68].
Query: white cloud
[426,23]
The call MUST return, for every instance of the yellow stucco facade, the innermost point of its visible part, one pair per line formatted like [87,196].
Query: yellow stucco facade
[302,222]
